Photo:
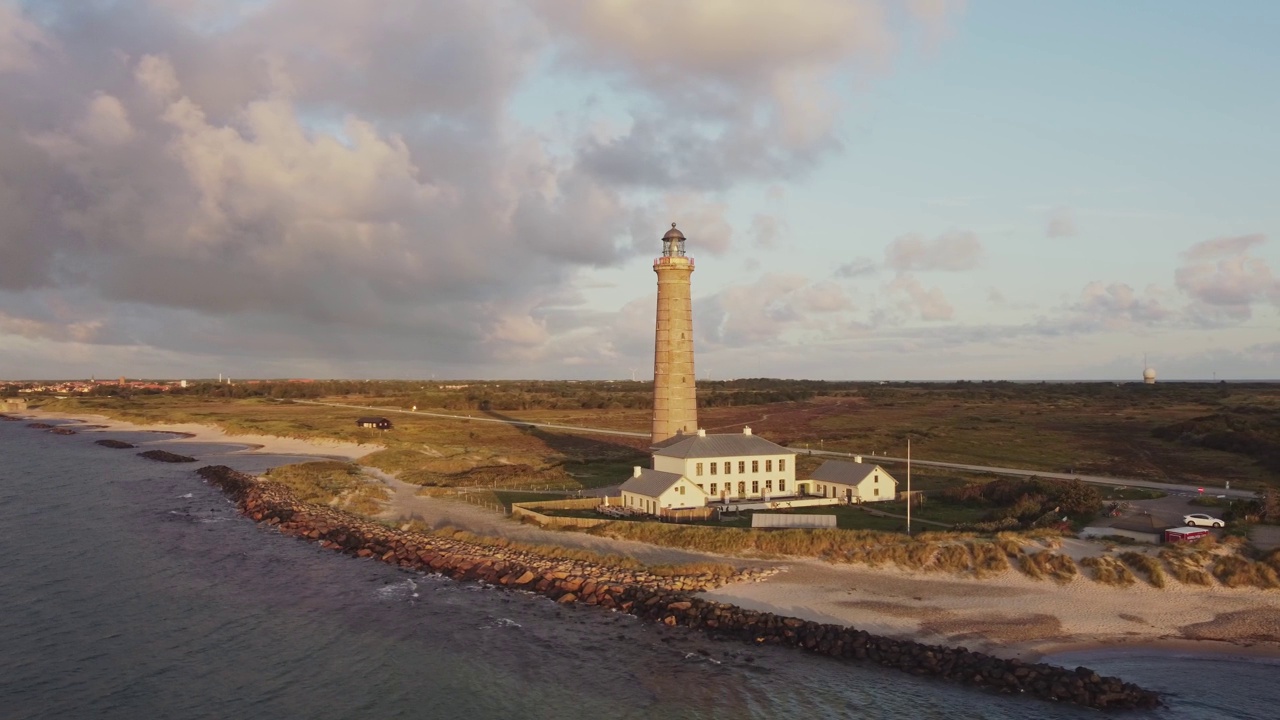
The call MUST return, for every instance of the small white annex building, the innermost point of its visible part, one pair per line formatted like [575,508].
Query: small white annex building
[853,482]
[729,467]
[653,492]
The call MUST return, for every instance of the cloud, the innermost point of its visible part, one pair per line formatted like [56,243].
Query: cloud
[84,331]
[776,308]
[1224,281]
[956,251]
[306,178]
[856,268]
[22,41]
[1062,223]
[929,304]
[725,91]
[766,231]
[1116,306]
[250,186]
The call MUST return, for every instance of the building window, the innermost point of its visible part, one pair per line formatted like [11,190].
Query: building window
[697,469]
[681,489]
[728,468]
[782,465]
[755,466]
[755,487]
[768,466]
[768,486]
[713,488]
[742,488]
[877,493]
[782,486]
[742,466]
[713,467]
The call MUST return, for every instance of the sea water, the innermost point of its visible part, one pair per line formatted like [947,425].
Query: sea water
[130,589]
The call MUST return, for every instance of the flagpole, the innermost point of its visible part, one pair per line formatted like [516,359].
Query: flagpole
[908,486]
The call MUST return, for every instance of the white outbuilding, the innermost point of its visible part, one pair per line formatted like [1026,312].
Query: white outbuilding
[655,492]
[853,482]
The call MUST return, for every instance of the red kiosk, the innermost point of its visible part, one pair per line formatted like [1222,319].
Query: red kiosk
[1184,534]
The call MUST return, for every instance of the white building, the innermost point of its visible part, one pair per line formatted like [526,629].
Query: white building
[729,467]
[853,482]
[653,492]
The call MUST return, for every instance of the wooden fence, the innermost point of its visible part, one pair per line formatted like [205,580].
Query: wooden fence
[530,510]
[689,514]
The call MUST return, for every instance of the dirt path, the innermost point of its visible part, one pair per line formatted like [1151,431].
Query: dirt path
[405,504]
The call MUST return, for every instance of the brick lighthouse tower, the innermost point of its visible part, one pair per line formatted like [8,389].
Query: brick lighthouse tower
[675,399]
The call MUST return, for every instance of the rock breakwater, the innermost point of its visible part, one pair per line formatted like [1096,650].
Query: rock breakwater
[166,456]
[665,600]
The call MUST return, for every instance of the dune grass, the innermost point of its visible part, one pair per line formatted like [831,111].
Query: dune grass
[1109,570]
[1235,571]
[330,482]
[1187,565]
[1049,565]
[623,562]
[1149,566]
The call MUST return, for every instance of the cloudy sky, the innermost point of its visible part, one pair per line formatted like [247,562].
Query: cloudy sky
[872,189]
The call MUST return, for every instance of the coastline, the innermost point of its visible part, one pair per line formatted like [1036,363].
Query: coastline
[194,432]
[1009,615]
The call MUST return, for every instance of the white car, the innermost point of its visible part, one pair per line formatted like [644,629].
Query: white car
[1202,520]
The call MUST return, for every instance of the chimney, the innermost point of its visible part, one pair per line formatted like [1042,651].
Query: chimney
[746,430]
[702,432]
[857,458]
[635,471]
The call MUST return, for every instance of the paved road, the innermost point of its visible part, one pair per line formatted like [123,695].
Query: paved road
[1015,472]
[1095,479]
[517,423]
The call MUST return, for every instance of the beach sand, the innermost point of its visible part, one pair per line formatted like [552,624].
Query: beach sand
[1010,615]
[265,444]
[1013,615]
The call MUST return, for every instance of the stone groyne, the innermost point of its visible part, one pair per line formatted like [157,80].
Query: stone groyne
[165,456]
[660,599]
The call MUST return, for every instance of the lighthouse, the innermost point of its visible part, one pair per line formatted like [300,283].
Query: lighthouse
[675,398]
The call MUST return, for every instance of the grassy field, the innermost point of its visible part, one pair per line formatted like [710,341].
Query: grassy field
[1096,428]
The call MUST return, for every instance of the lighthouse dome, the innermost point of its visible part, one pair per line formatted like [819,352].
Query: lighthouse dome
[673,234]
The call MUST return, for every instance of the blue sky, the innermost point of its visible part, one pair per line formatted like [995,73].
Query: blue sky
[872,189]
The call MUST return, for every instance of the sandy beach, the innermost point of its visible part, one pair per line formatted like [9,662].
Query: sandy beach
[193,432]
[1013,615]
[1010,615]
